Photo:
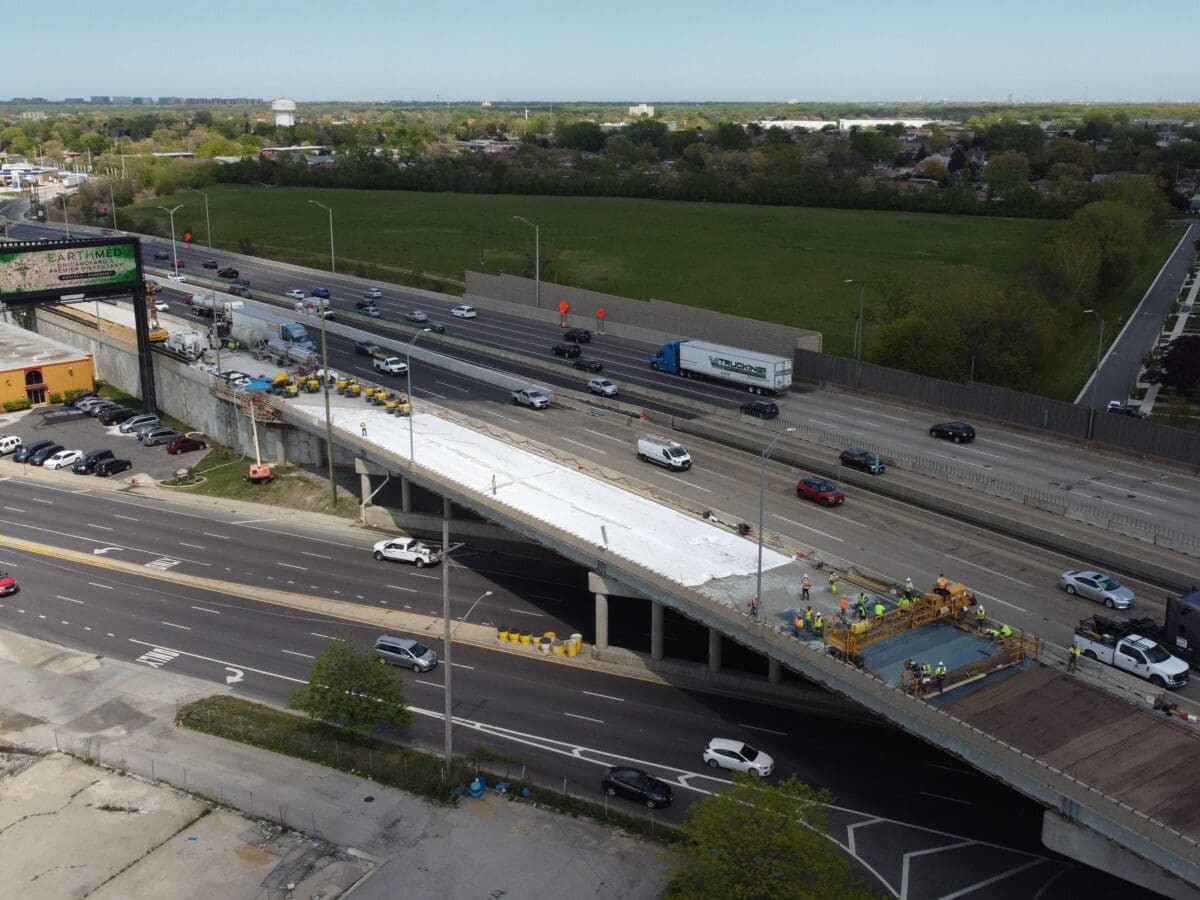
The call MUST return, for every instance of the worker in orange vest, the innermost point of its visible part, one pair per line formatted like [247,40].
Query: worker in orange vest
[943,586]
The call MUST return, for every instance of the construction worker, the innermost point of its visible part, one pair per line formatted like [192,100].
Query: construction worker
[940,672]
[833,580]
[1005,631]
[819,626]
[903,601]
[909,590]
[862,607]
[943,586]
[1072,658]
[363,428]
[809,617]
[879,609]
[845,605]
[754,607]
[798,626]
[980,615]
[805,587]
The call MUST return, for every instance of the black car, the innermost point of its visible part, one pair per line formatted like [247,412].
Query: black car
[578,335]
[161,254]
[588,364]
[959,432]
[27,450]
[37,457]
[763,409]
[87,463]
[228,272]
[865,460]
[566,349]
[107,467]
[636,785]
[84,396]
[1124,409]
[363,304]
[238,291]
[435,327]
[209,264]
[365,348]
[115,416]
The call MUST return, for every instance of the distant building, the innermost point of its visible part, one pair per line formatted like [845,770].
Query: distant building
[31,114]
[642,111]
[98,99]
[169,101]
[33,367]
[795,124]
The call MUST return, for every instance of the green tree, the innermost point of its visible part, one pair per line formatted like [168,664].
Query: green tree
[586,136]
[1007,173]
[757,841]
[1072,264]
[1180,365]
[1120,231]
[349,687]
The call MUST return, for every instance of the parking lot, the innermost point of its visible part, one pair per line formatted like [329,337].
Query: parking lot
[76,430]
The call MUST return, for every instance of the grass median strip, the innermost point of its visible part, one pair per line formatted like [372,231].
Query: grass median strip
[394,765]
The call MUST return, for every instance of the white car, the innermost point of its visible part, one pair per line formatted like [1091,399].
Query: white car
[162,306]
[175,276]
[296,294]
[62,459]
[602,386]
[464,312]
[372,293]
[723,753]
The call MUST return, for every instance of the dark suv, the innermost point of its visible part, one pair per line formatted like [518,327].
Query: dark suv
[86,464]
[565,348]
[863,460]
[959,432]
[763,409]
[115,415]
[27,450]
[161,254]
[578,335]
[228,272]
[38,457]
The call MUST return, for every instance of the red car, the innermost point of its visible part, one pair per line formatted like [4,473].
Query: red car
[819,490]
[184,443]
[178,264]
[8,584]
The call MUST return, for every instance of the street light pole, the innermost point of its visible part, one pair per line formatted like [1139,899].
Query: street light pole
[66,221]
[858,332]
[207,220]
[537,260]
[171,212]
[412,456]
[1096,374]
[332,264]
[762,503]
[448,638]
[112,204]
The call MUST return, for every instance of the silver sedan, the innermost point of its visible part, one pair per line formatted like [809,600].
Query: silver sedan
[1094,586]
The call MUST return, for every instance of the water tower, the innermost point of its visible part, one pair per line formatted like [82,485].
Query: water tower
[283,110]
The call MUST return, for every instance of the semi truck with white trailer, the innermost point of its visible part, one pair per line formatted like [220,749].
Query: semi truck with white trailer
[760,373]
[254,328]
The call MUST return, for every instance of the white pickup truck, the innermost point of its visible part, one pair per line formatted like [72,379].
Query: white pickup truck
[531,397]
[390,365]
[407,549]
[1109,642]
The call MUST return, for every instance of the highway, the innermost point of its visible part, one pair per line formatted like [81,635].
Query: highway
[1163,495]
[905,795]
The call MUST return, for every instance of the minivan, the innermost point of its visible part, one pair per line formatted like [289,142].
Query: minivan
[402,651]
[131,425]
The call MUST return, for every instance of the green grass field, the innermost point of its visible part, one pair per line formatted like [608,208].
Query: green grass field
[781,264]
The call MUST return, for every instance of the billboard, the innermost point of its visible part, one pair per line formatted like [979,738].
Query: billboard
[40,270]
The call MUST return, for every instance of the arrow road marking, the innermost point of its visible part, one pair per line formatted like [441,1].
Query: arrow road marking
[100,551]
[237,675]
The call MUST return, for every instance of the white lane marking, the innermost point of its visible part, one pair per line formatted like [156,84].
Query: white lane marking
[69,599]
[586,446]
[432,684]
[605,696]
[688,483]
[544,597]
[992,598]
[718,475]
[430,577]
[1115,487]
[126,518]
[847,521]
[822,423]
[872,412]
[463,666]
[318,634]
[40,500]
[957,459]
[1161,484]
[944,797]
[765,730]
[219,537]
[908,857]
[453,387]
[984,453]
[526,612]
[1125,506]
[979,885]
[967,562]
[254,521]
[957,771]
[290,566]
[215,612]
[396,587]
[219,662]
[314,555]
[193,546]
[492,412]
[806,527]
[297,653]
[107,587]
[173,625]
[14,509]
[607,437]
[1009,446]
[101,527]
[585,718]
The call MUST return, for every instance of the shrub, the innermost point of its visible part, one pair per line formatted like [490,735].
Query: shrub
[17,405]
[55,397]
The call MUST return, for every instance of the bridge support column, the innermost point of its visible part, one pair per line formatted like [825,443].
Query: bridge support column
[405,495]
[774,670]
[714,650]
[601,621]
[656,630]
[364,486]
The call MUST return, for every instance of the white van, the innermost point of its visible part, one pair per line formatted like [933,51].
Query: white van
[663,451]
[9,443]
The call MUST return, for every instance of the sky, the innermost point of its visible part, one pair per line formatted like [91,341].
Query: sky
[620,50]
